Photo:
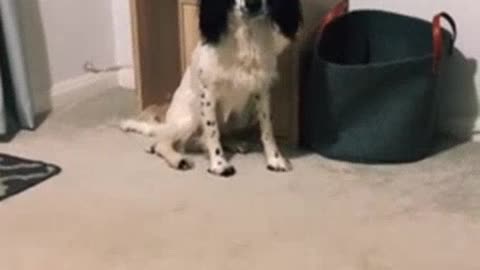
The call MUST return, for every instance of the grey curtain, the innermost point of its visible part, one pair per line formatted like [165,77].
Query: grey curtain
[16,97]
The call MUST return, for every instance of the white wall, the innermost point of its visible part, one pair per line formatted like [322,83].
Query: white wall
[77,31]
[122,25]
[123,34]
[462,90]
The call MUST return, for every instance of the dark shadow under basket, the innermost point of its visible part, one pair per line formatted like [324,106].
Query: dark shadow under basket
[370,92]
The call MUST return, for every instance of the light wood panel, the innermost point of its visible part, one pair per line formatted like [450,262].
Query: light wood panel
[189,34]
[157,50]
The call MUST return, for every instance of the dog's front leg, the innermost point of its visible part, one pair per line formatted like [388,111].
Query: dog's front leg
[218,163]
[275,160]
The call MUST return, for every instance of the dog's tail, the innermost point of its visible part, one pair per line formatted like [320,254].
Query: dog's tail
[149,122]
[163,131]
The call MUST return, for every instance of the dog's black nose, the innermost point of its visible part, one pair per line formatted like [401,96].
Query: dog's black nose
[253,6]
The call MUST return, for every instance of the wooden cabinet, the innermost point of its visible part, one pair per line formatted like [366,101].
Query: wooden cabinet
[165,34]
[189,34]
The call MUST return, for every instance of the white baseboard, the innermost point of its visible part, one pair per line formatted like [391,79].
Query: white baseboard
[477,125]
[126,78]
[476,131]
[86,82]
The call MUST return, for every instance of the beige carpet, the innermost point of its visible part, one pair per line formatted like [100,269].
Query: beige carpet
[116,208]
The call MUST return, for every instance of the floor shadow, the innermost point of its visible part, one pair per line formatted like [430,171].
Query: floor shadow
[444,143]
[42,117]
[13,128]
[6,138]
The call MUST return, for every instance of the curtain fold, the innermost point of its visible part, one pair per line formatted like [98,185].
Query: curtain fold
[16,97]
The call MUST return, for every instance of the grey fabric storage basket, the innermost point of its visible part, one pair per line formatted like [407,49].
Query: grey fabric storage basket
[370,91]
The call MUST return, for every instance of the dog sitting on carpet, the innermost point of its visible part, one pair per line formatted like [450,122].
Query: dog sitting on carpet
[233,67]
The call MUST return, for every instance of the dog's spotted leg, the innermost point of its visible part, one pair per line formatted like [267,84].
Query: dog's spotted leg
[275,160]
[218,163]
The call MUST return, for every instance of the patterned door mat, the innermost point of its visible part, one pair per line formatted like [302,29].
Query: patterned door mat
[18,175]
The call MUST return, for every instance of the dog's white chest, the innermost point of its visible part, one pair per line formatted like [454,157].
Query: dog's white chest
[242,64]
[249,76]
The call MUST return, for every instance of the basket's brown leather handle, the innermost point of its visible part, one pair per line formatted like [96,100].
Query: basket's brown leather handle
[438,38]
[337,11]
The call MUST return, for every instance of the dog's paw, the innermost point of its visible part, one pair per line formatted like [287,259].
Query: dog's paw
[223,171]
[184,165]
[151,149]
[227,172]
[126,126]
[279,165]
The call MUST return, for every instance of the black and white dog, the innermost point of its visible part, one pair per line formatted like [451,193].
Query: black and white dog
[233,65]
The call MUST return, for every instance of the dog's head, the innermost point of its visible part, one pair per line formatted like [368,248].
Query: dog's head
[214,15]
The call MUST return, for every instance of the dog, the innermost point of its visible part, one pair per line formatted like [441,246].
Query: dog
[233,66]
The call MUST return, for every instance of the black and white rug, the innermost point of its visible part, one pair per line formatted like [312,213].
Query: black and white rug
[18,174]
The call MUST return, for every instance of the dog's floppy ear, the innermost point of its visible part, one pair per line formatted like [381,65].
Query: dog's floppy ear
[287,14]
[214,19]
